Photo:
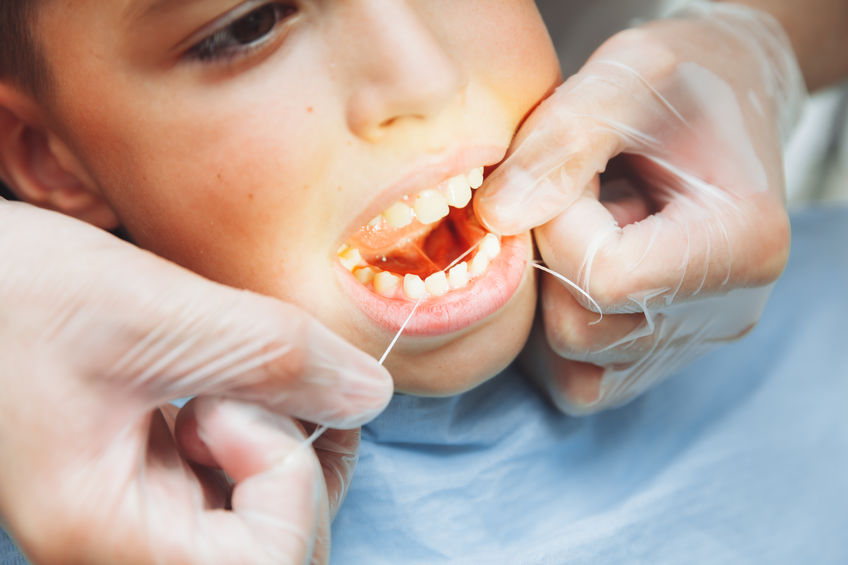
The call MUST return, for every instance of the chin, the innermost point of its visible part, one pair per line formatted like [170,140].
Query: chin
[454,364]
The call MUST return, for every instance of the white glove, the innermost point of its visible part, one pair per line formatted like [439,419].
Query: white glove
[96,337]
[679,242]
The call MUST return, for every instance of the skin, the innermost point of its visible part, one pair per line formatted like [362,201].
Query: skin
[252,170]
[818,30]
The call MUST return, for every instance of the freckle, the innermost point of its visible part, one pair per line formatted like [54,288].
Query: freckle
[338,189]
[309,109]
[250,196]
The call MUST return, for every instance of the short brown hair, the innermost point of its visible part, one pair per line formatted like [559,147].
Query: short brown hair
[21,61]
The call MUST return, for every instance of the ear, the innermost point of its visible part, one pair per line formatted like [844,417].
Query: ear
[40,168]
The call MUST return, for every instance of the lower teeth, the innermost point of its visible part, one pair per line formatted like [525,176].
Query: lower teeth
[392,285]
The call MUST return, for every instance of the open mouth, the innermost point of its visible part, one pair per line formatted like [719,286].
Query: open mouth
[425,245]
[428,248]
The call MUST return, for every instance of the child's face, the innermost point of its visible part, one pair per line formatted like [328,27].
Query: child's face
[251,141]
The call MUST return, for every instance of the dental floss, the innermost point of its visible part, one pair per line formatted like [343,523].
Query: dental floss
[420,300]
[535,264]
[567,281]
[319,431]
[400,331]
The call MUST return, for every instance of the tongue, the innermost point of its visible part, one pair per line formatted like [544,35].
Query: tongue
[419,249]
[382,240]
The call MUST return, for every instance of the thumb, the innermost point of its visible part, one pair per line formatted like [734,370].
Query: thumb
[209,339]
[277,499]
[149,331]
[554,157]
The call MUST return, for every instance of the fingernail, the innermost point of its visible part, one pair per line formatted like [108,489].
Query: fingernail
[520,201]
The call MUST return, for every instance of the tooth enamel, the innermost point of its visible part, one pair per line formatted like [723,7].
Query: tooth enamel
[398,215]
[413,287]
[458,275]
[376,221]
[437,284]
[475,177]
[430,206]
[459,192]
[350,258]
[479,264]
[364,275]
[385,283]
[490,246]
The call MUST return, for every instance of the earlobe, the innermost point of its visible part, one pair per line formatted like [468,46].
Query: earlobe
[40,170]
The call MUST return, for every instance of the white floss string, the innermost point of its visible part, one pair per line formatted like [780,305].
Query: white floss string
[418,303]
[535,264]
[400,331]
[568,282]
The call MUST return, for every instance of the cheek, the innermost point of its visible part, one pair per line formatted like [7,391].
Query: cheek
[202,192]
[512,49]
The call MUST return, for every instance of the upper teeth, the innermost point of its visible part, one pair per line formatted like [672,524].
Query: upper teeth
[432,204]
[428,206]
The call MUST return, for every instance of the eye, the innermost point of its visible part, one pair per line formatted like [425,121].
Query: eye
[242,35]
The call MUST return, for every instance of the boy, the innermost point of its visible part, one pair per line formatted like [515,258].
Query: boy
[213,135]
[286,130]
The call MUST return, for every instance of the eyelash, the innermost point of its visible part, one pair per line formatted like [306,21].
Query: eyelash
[225,44]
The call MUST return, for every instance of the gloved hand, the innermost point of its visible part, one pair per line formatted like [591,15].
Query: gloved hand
[96,337]
[679,241]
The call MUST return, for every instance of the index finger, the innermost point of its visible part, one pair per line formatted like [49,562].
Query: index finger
[693,247]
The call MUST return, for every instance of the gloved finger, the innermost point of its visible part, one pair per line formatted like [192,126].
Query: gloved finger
[258,349]
[690,249]
[157,332]
[655,91]
[574,387]
[675,336]
[584,335]
[338,452]
[277,500]
[554,157]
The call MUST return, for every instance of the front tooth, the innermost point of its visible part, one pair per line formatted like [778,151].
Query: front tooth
[437,284]
[398,215]
[490,246]
[479,264]
[430,206]
[459,192]
[475,177]
[458,275]
[364,275]
[385,283]
[375,221]
[350,258]
[413,287]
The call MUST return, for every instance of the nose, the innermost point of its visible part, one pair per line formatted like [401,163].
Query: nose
[400,69]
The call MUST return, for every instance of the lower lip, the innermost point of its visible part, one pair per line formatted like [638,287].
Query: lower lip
[454,311]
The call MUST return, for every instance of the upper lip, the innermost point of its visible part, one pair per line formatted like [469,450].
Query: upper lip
[425,173]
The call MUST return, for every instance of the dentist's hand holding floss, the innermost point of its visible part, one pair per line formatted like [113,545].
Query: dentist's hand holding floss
[98,467]
[679,241]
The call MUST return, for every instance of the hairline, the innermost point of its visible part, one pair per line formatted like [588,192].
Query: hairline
[26,66]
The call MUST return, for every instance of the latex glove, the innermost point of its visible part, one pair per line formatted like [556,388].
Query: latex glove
[679,243]
[95,336]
